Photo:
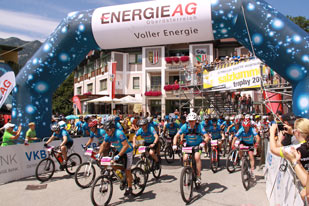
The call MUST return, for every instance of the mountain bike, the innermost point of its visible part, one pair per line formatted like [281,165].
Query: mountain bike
[189,173]
[46,167]
[147,163]
[246,177]
[102,188]
[214,155]
[233,158]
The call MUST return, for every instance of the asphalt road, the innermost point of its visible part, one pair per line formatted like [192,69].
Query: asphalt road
[219,189]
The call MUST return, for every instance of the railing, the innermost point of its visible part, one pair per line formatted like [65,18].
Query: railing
[154,88]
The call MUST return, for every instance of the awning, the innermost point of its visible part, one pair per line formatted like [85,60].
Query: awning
[105,100]
[130,100]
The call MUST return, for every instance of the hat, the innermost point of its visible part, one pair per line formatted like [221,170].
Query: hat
[289,117]
[9,125]
[31,123]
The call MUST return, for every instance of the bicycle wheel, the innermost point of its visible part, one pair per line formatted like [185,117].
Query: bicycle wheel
[245,173]
[231,161]
[101,191]
[139,181]
[186,184]
[214,160]
[162,144]
[169,154]
[74,160]
[142,164]
[156,172]
[45,170]
[85,175]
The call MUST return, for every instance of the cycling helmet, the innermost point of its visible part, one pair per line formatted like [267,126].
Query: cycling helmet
[192,116]
[62,124]
[247,116]
[206,117]
[227,118]
[149,119]
[109,124]
[246,123]
[55,127]
[94,123]
[142,122]
[166,117]
[232,118]
[257,117]
[86,118]
[251,117]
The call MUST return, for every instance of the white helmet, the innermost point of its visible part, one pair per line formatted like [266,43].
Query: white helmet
[192,116]
[232,118]
[62,124]
[227,118]
[264,117]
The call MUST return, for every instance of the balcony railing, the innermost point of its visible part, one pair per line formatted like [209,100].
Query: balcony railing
[154,88]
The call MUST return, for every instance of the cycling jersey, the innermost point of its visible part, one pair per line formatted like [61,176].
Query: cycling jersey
[220,121]
[85,128]
[215,132]
[118,126]
[193,135]
[100,135]
[63,133]
[172,130]
[206,126]
[153,124]
[117,139]
[148,136]
[247,138]
[79,126]
[226,125]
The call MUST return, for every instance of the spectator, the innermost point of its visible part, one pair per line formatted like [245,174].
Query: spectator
[79,126]
[10,135]
[249,104]
[31,133]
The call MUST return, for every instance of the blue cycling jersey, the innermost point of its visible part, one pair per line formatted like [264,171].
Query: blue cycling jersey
[79,126]
[206,126]
[148,136]
[172,130]
[226,125]
[101,134]
[118,126]
[117,139]
[85,128]
[63,133]
[215,132]
[247,138]
[193,135]
[153,124]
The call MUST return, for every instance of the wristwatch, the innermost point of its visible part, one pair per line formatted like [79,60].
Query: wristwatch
[294,164]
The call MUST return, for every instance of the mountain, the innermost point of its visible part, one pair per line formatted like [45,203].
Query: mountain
[29,48]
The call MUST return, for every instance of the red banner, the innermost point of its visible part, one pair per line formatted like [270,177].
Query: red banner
[275,106]
[114,66]
[76,101]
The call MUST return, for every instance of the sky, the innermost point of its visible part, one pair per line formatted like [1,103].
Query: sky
[36,19]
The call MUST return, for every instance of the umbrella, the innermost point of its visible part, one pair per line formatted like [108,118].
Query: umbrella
[71,117]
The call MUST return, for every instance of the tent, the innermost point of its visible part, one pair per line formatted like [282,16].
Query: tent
[130,100]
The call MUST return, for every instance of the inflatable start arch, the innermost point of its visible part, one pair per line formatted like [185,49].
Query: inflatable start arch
[276,40]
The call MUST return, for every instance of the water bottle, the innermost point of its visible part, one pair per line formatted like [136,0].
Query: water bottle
[119,174]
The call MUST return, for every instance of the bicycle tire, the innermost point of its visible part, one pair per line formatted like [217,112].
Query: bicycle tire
[137,182]
[184,182]
[156,172]
[80,173]
[230,165]
[51,168]
[162,144]
[169,154]
[214,160]
[245,174]
[142,164]
[101,183]
[74,160]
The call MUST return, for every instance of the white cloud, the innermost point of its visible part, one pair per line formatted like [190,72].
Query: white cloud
[27,22]
[24,37]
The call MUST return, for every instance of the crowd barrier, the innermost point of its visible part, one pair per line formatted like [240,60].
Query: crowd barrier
[20,161]
[282,186]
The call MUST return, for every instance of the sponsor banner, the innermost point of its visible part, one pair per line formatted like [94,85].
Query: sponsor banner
[235,76]
[76,102]
[152,23]
[20,161]
[7,83]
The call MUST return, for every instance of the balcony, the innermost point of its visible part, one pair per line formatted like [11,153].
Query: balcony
[176,63]
[154,91]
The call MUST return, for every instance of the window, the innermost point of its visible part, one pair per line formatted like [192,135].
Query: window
[155,83]
[79,90]
[135,82]
[135,58]
[103,84]
[172,79]
[89,87]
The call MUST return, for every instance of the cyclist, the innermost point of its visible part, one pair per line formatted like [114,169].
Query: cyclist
[248,137]
[154,124]
[85,127]
[206,124]
[95,132]
[149,134]
[79,125]
[171,128]
[116,119]
[215,133]
[195,134]
[60,132]
[183,120]
[119,140]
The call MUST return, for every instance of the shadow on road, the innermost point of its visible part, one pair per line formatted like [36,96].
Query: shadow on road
[144,197]
[206,189]
[162,179]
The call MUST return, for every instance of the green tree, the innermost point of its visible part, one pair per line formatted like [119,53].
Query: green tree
[62,97]
[301,21]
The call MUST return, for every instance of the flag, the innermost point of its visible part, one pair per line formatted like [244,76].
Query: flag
[153,56]
[201,58]
[114,66]
[7,82]
[76,101]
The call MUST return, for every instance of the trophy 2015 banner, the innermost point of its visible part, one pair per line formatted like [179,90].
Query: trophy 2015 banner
[236,76]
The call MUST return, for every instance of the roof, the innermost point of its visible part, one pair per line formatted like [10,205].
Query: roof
[9,48]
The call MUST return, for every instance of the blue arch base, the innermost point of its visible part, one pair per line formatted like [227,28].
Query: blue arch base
[276,40]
